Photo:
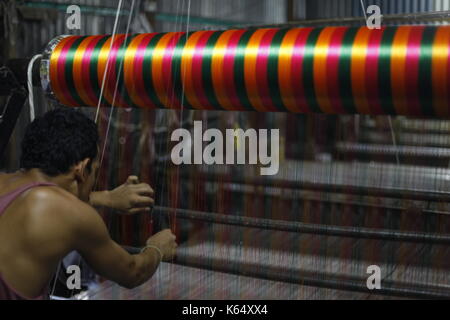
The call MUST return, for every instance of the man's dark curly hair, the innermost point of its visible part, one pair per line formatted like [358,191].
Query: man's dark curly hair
[58,140]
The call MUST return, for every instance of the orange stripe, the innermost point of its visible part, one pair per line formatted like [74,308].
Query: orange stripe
[101,66]
[110,82]
[439,71]
[157,69]
[186,68]
[55,85]
[285,69]
[77,71]
[398,68]
[251,55]
[130,56]
[320,69]
[218,56]
[359,58]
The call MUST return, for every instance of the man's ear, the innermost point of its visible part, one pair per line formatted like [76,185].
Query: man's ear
[81,170]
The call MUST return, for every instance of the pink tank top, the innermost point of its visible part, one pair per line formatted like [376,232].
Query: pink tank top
[6,292]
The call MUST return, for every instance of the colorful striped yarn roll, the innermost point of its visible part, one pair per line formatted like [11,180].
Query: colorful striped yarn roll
[401,70]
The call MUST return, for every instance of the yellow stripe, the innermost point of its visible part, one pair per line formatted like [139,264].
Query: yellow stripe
[359,56]
[320,69]
[285,69]
[186,68]
[218,56]
[77,73]
[130,57]
[398,65]
[157,70]
[54,58]
[251,55]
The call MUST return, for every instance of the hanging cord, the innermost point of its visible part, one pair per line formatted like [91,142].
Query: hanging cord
[116,22]
[363,6]
[30,85]
[394,140]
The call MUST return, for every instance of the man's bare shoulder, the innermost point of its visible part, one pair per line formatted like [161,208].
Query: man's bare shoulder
[58,203]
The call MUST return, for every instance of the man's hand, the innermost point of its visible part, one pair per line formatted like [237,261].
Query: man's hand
[165,241]
[132,197]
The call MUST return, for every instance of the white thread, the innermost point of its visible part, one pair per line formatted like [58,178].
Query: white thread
[30,85]
[116,22]
[115,90]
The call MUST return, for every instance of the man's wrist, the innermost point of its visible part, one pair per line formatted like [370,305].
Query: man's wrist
[154,249]
[100,199]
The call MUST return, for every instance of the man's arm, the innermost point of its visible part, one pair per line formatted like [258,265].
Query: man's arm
[131,197]
[111,261]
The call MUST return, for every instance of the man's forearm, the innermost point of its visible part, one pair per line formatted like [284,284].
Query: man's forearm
[146,264]
[100,199]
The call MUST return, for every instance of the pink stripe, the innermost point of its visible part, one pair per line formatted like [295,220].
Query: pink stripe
[61,70]
[261,70]
[298,56]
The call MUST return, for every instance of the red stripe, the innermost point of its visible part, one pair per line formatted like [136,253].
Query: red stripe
[61,72]
[297,70]
[228,69]
[334,52]
[372,64]
[111,80]
[262,62]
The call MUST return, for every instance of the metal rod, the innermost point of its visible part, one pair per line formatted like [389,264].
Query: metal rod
[396,193]
[407,151]
[294,226]
[420,16]
[330,198]
[314,279]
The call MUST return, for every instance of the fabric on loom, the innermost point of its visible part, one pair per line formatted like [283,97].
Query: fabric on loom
[395,70]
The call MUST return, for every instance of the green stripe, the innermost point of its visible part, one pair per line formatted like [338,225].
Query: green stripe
[345,71]
[425,88]
[68,68]
[308,70]
[207,78]
[178,89]
[239,71]
[147,70]
[272,69]
[93,65]
[384,71]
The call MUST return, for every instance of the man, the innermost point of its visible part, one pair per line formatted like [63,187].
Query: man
[46,212]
